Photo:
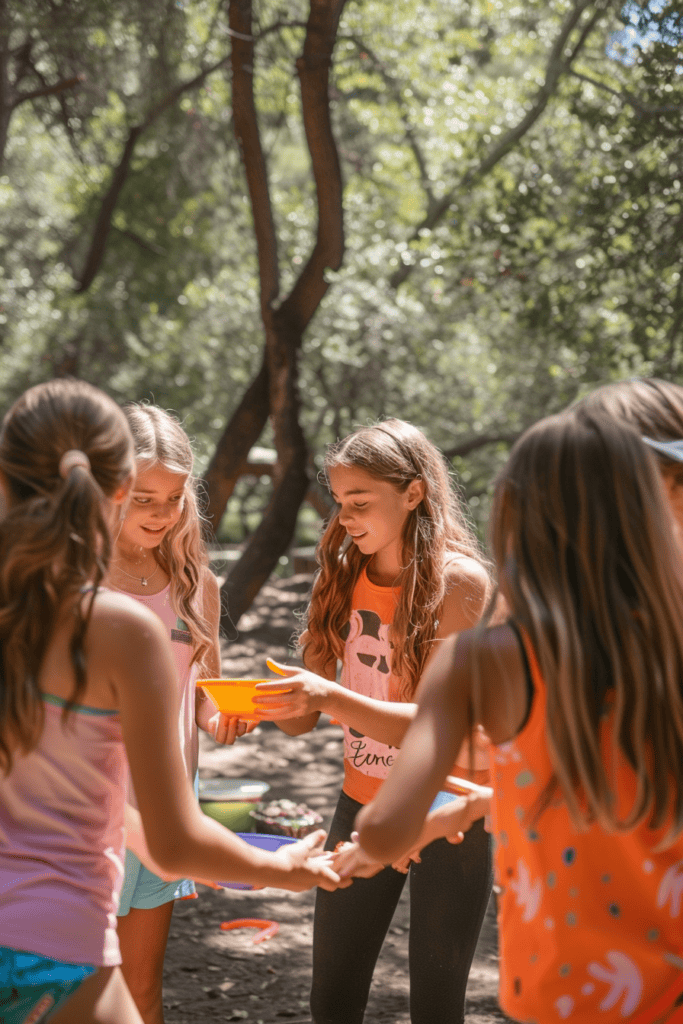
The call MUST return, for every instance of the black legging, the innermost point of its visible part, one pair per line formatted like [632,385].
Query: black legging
[449,892]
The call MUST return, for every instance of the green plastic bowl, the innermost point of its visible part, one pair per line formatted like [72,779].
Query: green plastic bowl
[234,815]
[231,801]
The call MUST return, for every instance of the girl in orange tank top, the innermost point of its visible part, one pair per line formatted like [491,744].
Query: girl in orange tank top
[581,694]
[400,570]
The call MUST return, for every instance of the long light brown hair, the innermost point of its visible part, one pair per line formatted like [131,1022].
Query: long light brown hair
[54,539]
[653,407]
[161,441]
[590,569]
[433,533]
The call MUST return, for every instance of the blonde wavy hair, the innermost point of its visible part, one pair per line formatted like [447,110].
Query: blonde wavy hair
[591,571]
[54,538]
[161,441]
[434,533]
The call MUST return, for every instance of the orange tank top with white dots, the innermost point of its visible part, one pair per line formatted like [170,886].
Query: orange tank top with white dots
[590,922]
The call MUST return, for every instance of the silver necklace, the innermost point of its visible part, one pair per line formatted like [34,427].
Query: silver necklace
[142,580]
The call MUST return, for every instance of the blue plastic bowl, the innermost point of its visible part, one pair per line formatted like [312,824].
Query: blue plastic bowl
[442,797]
[263,842]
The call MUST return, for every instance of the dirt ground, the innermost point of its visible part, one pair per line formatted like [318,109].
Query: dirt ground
[213,975]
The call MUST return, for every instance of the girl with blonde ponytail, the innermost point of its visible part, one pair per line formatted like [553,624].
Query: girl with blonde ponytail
[85,679]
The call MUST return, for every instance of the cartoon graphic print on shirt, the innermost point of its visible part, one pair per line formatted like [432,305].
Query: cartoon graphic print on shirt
[366,669]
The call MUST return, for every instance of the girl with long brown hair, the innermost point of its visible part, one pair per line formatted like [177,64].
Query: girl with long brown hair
[580,693]
[655,409]
[399,571]
[85,679]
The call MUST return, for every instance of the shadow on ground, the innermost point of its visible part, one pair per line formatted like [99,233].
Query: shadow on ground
[213,975]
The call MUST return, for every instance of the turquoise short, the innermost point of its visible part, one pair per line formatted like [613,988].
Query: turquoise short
[33,986]
[143,890]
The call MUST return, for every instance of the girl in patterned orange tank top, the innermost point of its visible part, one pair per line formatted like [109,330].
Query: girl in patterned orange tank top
[581,695]
[400,570]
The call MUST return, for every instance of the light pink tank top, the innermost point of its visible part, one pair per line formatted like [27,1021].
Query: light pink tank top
[62,839]
[181,642]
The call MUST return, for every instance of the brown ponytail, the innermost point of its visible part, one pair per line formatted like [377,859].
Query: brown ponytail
[54,540]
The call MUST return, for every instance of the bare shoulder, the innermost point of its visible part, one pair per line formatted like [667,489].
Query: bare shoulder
[118,618]
[467,575]
[503,693]
[209,584]
[211,594]
[467,589]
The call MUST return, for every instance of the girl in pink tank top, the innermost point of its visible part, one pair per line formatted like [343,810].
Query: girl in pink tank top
[159,558]
[83,672]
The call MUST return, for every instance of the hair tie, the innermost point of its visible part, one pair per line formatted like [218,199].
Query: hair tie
[70,459]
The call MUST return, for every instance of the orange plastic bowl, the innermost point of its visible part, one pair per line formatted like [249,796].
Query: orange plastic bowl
[235,697]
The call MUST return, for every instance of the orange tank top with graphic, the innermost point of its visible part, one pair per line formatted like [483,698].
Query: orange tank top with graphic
[589,922]
[366,669]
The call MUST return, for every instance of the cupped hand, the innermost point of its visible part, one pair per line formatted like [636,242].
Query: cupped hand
[309,864]
[351,861]
[225,729]
[305,693]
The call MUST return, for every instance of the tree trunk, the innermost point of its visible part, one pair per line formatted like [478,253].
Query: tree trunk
[6,94]
[242,432]
[285,325]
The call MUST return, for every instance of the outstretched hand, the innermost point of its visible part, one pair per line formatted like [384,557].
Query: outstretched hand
[310,864]
[304,693]
[351,860]
[450,821]
[226,729]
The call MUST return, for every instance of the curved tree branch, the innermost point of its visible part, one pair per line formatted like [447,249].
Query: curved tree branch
[47,90]
[98,243]
[558,63]
[247,133]
[284,326]
[314,74]
[480,441]
[625,97]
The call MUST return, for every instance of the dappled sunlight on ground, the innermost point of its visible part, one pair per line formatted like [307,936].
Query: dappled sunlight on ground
[212,975]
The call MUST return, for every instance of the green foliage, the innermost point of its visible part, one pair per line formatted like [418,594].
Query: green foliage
[558,268]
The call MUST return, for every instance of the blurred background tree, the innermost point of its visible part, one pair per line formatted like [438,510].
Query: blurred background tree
[173,228]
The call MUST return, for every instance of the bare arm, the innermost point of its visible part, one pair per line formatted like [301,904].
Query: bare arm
[224,728]
[313,692]
[130,647]
[296,717]
[390,826]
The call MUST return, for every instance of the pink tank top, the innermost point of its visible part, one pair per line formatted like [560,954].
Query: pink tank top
[181,642]
[62,839]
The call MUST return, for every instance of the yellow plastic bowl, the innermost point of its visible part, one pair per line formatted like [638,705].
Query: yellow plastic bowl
[235,697]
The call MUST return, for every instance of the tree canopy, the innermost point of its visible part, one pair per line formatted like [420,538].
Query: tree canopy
[512,228]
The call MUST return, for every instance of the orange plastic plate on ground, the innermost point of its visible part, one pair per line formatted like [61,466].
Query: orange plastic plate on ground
[234,696]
